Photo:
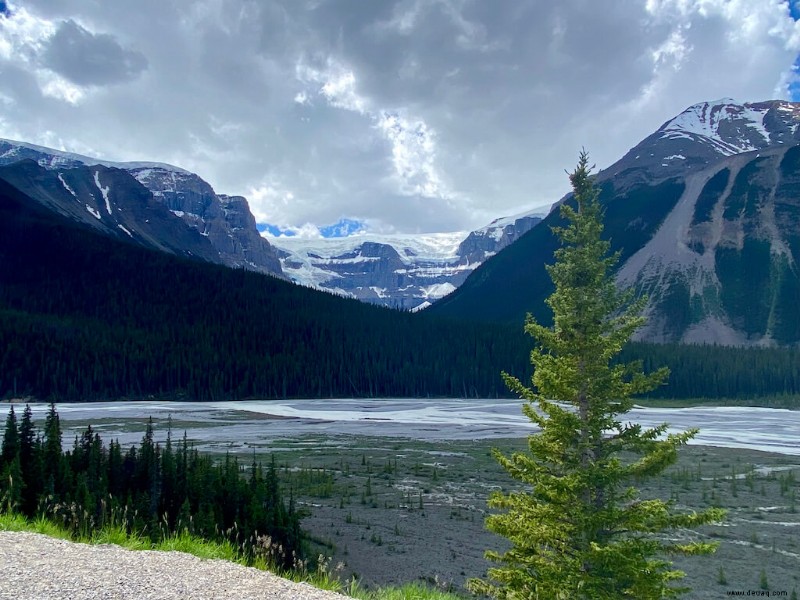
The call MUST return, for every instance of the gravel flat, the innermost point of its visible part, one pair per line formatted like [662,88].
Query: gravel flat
[34,566]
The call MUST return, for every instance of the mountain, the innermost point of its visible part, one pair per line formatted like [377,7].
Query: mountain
[225,221]
[400,271]
[702,135]
[109,201]
[487,241]
[706,215]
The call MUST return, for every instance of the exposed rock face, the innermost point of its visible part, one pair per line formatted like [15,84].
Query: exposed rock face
[225,221]
[488,241]
[722,267]
[399,271]
[706,213]
[244,245]
[112,201]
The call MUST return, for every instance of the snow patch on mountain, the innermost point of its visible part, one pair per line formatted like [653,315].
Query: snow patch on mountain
[439,290]
[103,190]
[411,249]
[95,213]
[66,186]
[406,271]
[510,220]
[704,120]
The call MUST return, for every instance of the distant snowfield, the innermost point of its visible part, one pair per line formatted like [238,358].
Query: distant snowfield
[430,246]
[242,426]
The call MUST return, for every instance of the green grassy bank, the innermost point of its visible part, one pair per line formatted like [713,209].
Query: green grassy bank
[322,577]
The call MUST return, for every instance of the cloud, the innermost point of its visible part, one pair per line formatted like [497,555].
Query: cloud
[87,58]
[63,58]
[413,155]
[412,141]
[405,115]
[334,82]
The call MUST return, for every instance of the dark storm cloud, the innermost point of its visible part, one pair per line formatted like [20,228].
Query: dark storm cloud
[87,58]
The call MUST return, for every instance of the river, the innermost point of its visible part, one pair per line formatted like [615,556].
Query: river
[242,426]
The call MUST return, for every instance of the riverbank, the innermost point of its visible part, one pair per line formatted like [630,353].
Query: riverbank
[403,510]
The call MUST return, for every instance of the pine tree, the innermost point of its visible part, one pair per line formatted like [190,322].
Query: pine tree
[579,529]
[10,448]
[52,458]
[30,462]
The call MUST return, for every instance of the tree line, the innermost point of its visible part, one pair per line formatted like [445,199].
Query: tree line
[152,490]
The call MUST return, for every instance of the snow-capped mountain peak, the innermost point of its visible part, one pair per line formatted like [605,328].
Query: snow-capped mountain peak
[497,227]
[730,127]
[703,133]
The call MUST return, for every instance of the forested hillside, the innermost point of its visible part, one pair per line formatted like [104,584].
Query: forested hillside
[84,317]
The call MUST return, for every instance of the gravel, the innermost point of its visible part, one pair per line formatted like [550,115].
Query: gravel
[34,566]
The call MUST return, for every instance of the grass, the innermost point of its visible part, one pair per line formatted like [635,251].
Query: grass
[409,591]
[322,578]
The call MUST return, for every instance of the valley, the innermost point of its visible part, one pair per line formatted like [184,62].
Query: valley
[283,261]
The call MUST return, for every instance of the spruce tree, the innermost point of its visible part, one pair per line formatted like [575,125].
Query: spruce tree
[30,462]
[10,447]
[52,458]
[579,528]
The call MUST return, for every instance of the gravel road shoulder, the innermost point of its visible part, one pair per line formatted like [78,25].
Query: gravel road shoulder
[34,566]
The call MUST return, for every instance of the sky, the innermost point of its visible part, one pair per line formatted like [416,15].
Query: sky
[395,116]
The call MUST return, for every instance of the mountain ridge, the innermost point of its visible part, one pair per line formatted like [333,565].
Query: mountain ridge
[226,221]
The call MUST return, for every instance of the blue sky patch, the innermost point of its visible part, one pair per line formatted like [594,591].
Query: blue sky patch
[794,82]
[342,228]
[794,9]
[794,85]
[4,10]
[275,230]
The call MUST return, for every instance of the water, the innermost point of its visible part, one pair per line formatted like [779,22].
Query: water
[242,426]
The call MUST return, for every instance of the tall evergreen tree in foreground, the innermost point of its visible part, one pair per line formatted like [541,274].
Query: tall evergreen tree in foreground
[580,530]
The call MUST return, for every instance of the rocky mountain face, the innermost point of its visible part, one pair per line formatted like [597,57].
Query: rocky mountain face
[488,241]
[706,215]
[110,201]
[401,271]
[723,267]
[225,222]
[703,134]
